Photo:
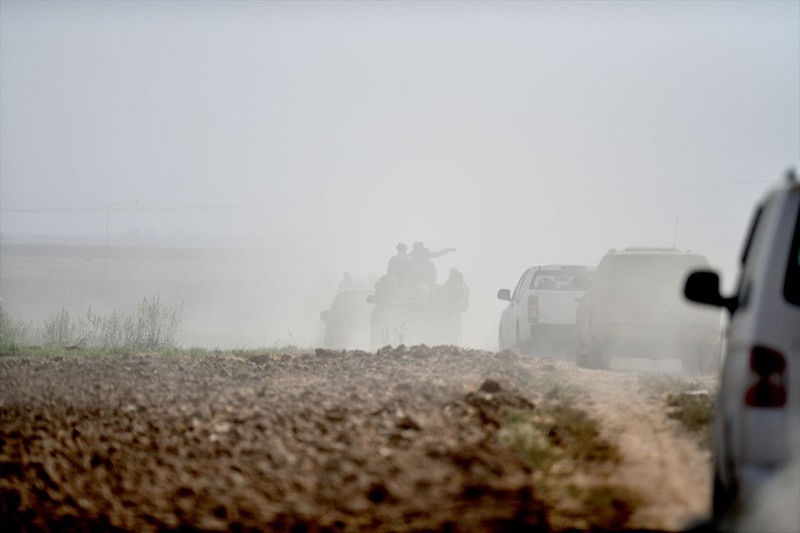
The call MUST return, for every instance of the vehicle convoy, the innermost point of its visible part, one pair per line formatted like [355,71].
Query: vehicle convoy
[347,321]
[634,308]
[756,431]
[541,312]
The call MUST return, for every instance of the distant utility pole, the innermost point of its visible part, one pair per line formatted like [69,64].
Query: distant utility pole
[108,207]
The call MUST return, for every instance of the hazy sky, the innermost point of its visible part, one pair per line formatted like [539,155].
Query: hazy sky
[519,132]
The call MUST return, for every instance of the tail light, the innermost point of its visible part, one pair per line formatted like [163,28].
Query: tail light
[769,367]
[533,309]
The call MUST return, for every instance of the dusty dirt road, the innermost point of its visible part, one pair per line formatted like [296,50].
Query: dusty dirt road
[405,439]
[668,470]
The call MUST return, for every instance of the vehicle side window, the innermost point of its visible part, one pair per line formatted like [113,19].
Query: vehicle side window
[600,278]
[753,242]
[791,284]
[750,236]
[519,284]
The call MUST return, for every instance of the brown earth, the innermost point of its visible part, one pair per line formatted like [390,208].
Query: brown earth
[405,439]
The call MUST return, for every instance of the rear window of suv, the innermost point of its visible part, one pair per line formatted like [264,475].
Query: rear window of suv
[791,284]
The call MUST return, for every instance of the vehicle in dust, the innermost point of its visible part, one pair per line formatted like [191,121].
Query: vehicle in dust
[541,312]
[635,308]
[418,314]
[347,320]
[756,430]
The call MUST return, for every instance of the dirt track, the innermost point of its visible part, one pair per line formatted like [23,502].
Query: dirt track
[405,439]
[668,470]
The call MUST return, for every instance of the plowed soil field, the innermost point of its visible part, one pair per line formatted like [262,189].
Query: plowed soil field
[407,439]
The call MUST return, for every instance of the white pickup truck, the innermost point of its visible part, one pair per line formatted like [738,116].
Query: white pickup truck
[541,314]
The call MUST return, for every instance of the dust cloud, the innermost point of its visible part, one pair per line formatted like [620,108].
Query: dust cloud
[238,158]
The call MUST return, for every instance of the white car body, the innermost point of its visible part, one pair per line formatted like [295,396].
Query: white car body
[543,307]
[756,430]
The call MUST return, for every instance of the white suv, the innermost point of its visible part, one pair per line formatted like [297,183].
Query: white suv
[541,312]
[635,308]
[757,412]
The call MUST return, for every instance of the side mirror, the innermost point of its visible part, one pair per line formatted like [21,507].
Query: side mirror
[504,294]
[324,315]
[703,287]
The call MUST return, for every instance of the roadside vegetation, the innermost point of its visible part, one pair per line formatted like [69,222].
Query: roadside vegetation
[151,326]
[693,411]
[14,333]
[561,444]
[689,401]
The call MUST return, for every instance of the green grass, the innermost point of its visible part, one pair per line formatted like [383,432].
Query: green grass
[659,385]
[557,440]
[609,506]
[553,432]
[151,326]
[688,401]
[86,351]
[693,411]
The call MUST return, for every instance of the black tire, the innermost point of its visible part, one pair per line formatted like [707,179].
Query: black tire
[690,363]
[722,499]
[598,357]
[700,360]
[714,360]
[582,356]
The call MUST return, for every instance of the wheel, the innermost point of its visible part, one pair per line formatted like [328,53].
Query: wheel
[713,361]
[582,357]
[722,499]
[700,360]
[690,363]
[598,358]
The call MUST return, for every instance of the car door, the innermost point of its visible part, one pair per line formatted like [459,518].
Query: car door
[519,307]
[508,321]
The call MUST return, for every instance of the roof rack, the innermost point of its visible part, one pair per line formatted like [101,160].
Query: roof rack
[649,249]
[791,176]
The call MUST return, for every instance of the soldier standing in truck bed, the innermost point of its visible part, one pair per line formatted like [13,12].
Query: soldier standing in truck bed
[452,299]
[400,265]
[422,268]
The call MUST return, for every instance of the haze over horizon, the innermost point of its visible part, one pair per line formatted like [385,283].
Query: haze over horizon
[327,132]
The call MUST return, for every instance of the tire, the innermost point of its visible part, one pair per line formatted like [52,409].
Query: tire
[582,356]
[700,360]
[722,499]
[714,360]
[690,363]
[582,359]
[598,358]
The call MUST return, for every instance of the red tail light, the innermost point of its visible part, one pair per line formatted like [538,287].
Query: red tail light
[533,309]
[769,366]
